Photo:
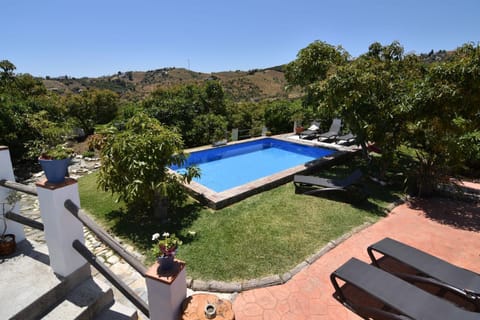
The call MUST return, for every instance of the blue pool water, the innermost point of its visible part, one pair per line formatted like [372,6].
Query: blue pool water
[230,166]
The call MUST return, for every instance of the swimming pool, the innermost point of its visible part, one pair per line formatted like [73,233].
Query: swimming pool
[228,167]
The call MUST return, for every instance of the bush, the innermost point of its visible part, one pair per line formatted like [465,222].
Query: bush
[135,165]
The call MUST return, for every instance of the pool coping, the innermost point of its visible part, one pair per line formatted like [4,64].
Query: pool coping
[219,200]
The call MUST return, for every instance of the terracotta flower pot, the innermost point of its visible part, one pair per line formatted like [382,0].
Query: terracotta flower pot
[299,130]
[7,245]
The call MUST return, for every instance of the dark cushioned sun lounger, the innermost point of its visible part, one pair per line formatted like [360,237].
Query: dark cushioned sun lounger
[322,184]
[432,269]
[305,134]
[406,299]
[333,131]
[310,134]
[346,137]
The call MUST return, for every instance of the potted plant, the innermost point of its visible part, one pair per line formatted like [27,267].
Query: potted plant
[55,162]
[166,249]
[299,129]
[7,240]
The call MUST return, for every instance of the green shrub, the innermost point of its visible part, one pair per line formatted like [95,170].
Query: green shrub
[56,153]
[88,154]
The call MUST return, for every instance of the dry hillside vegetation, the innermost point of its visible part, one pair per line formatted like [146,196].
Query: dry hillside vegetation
[251,85]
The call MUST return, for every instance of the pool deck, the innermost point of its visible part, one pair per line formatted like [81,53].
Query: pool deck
[218,200]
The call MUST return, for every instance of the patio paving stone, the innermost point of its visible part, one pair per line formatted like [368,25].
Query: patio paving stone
[442,227]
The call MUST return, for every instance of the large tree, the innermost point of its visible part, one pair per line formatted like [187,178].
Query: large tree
[393,99]
[29,115]
[207,128]
[92,107]
[135,165]
[187,107]
[314,64]
[279,115]
[369,94]
[445,126]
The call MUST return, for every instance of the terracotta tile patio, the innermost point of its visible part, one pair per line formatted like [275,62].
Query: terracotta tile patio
[445,228]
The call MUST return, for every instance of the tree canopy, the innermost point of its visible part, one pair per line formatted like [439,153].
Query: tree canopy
[32,118]
[24,105]
[92,107]
[393,99]
[184,107]
[445,123]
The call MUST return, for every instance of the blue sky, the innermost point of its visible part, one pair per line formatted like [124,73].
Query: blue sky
[101,37]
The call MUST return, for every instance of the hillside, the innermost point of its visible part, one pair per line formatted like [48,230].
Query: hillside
[255,84]
[252,85]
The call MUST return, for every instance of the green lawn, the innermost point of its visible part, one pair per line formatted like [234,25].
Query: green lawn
[266,234]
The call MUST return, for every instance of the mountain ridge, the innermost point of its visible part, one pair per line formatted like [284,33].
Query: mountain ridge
[252,85]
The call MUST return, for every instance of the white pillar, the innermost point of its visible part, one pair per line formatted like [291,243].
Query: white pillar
[166,292]
[6,172]
[61,227]
[264,131]
[235,134]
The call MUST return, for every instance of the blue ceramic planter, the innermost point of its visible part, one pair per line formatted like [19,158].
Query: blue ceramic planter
[166,263]
[55,170]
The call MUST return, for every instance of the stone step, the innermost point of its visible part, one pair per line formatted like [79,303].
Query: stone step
[29,286]
[30,290]
[83,302]
[118,311]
